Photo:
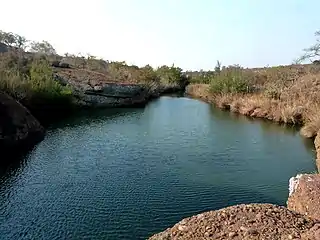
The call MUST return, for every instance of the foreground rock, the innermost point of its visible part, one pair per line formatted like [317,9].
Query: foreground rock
[305,195]
[253,221]
[18,128]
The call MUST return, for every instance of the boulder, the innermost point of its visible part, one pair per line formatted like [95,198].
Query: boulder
[98,88]
[59,64]
[64,65]
[18,128]
[55,63]
[304,196]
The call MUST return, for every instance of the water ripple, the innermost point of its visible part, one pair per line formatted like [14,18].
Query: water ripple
[125,174]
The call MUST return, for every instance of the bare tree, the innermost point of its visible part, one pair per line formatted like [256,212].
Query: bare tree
[20,42]
[311,53]
[13,40]
[7,38]
[43,47]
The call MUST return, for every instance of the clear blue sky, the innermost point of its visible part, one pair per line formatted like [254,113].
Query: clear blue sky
[193,34]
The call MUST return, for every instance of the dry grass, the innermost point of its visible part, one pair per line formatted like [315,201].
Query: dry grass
[312,122]
[297,100]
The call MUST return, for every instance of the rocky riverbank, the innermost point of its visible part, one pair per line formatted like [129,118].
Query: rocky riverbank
[252,221]
[18,128]
[93,89]
[119,95]
[20,121]
[301,218]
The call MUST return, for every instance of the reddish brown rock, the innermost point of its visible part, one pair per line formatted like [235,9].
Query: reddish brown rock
[317,145]
[253,221]
[305,195]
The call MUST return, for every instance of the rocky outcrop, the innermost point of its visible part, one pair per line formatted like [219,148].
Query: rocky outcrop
[88,93]
[60,64]
[110,95]
[18,128]
[304,195]
[253,221]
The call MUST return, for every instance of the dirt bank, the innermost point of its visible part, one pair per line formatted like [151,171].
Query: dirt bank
[253,221]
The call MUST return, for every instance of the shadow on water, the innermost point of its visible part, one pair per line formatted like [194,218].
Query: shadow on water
[92,115]
[14,160]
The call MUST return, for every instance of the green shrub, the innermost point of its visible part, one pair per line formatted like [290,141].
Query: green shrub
[232,80]
[272,92]
[33,82]
[14,83]
[170,75]
[202,78]
[43,84]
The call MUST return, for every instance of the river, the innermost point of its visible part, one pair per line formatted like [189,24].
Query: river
[129,173]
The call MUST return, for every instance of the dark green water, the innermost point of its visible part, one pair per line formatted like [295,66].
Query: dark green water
[126,174]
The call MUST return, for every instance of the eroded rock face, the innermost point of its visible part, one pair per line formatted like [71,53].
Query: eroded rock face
[108,94]
[253,221]
[18,128]
[305,195]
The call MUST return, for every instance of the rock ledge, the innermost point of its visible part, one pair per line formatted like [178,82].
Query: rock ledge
[252,221]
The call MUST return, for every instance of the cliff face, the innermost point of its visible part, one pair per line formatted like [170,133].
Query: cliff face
[91,89]
[18,128]
[110,95]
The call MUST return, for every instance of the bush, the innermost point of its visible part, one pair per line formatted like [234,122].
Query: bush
[171,75]
[43,84]
[202,77]
[33,81]
[272,92]
[232,80]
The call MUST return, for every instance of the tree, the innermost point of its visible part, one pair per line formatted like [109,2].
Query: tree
[13,40]
[7,38]
[43,47]
[217,68]
[20,41]
[311,53]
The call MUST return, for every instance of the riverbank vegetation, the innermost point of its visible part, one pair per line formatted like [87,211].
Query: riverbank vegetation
[31,72]
[286,94]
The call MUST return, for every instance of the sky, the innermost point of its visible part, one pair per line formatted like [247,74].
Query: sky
[192,34]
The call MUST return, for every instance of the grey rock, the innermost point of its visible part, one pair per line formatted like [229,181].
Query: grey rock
[55,63]
[18,128]
[98,88]
[64,65]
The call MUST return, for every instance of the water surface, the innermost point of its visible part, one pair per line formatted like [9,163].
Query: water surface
[128,173]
